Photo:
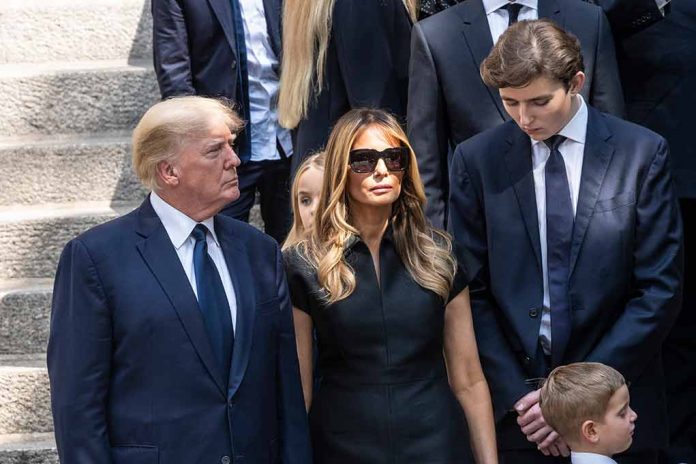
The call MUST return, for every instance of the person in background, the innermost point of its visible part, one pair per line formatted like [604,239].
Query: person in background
[400,377]
[656,50]
[232,49]
[305,192]
[171,327]
[449,103]
[338,55]
[573,216]
[589,405]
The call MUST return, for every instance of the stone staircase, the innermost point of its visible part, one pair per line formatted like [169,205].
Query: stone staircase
[75,76]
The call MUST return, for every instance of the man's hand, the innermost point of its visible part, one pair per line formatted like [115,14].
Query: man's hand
[535,428]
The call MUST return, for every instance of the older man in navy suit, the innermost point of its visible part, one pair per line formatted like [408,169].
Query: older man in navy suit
[573,215]
[171,331]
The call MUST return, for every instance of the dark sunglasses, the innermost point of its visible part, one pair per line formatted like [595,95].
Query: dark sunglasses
[364,160]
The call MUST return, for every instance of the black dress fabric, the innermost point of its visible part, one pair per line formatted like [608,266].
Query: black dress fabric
[430,7]
[383,394]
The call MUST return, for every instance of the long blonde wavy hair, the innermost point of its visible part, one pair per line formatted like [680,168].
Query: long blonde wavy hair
[426,252]
[306,32]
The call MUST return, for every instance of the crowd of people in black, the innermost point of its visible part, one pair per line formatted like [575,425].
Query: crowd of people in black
[485,210]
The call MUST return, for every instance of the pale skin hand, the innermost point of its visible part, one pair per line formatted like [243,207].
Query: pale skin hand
[466,378]
[535,428]
[303,339]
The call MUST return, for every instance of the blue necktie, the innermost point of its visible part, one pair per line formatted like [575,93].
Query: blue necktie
[243,145]
[513,10]
[559,233]
[212,301]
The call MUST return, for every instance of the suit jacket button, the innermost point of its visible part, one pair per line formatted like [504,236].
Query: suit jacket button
[533,313]
[225,460]
[231,402]
[527,360]
[234,64]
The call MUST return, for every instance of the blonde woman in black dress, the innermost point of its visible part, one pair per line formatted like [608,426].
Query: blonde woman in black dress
[399,373]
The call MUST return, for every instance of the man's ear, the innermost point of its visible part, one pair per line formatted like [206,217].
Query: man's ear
[167,173]
[576,83]
[589,432]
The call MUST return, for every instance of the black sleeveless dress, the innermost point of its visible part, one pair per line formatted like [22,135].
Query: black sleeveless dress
[383,394]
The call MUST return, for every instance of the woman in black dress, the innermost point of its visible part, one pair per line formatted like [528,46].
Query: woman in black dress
[339,55]
[399,374]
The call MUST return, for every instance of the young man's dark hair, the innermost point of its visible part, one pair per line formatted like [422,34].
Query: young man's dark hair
[529,49]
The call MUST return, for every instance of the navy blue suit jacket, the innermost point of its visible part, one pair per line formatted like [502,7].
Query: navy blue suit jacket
[448,102]
[626,261]
[194,46]
[133,377]
[657,61]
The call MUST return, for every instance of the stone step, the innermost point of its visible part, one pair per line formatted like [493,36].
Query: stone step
[71,30]
[32,237]
[75,97]
[61,169]
[25,308]
[25,401]
[35,448]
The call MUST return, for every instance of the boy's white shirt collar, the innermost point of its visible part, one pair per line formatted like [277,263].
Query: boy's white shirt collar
[590,458]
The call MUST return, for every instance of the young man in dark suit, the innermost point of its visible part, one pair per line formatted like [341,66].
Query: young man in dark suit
[171,329]
[231,49]
[573,217]
[448,102]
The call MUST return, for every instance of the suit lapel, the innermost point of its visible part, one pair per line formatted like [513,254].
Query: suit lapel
[158,252]
[519,164]
[273,12]
[596,159]
[223,12]
[478,38]
[239,267]
[550,9]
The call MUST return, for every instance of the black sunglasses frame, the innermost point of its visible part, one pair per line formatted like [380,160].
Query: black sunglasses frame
[370,157]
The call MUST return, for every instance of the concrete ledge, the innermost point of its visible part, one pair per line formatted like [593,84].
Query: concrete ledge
[32,238]
[37,31]
[67,169]
[25,402]
[25,309]
[36,448]
[66,98]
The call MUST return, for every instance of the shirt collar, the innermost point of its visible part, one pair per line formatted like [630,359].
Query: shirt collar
[590,458]
[177,224]
[576,129]
[493,5]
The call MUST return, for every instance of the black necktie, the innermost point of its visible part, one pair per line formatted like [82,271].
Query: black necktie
[559,233]
[213,301]
[513,10]
[244,142]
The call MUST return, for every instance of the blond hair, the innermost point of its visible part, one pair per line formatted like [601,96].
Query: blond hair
[578,392]
[306,33]
[297,232]
[168,125]
[425,252]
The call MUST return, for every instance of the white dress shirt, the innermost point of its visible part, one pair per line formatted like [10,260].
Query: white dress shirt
[572,150]
[263,85]
[179,227]
[497,15]
[590,458]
